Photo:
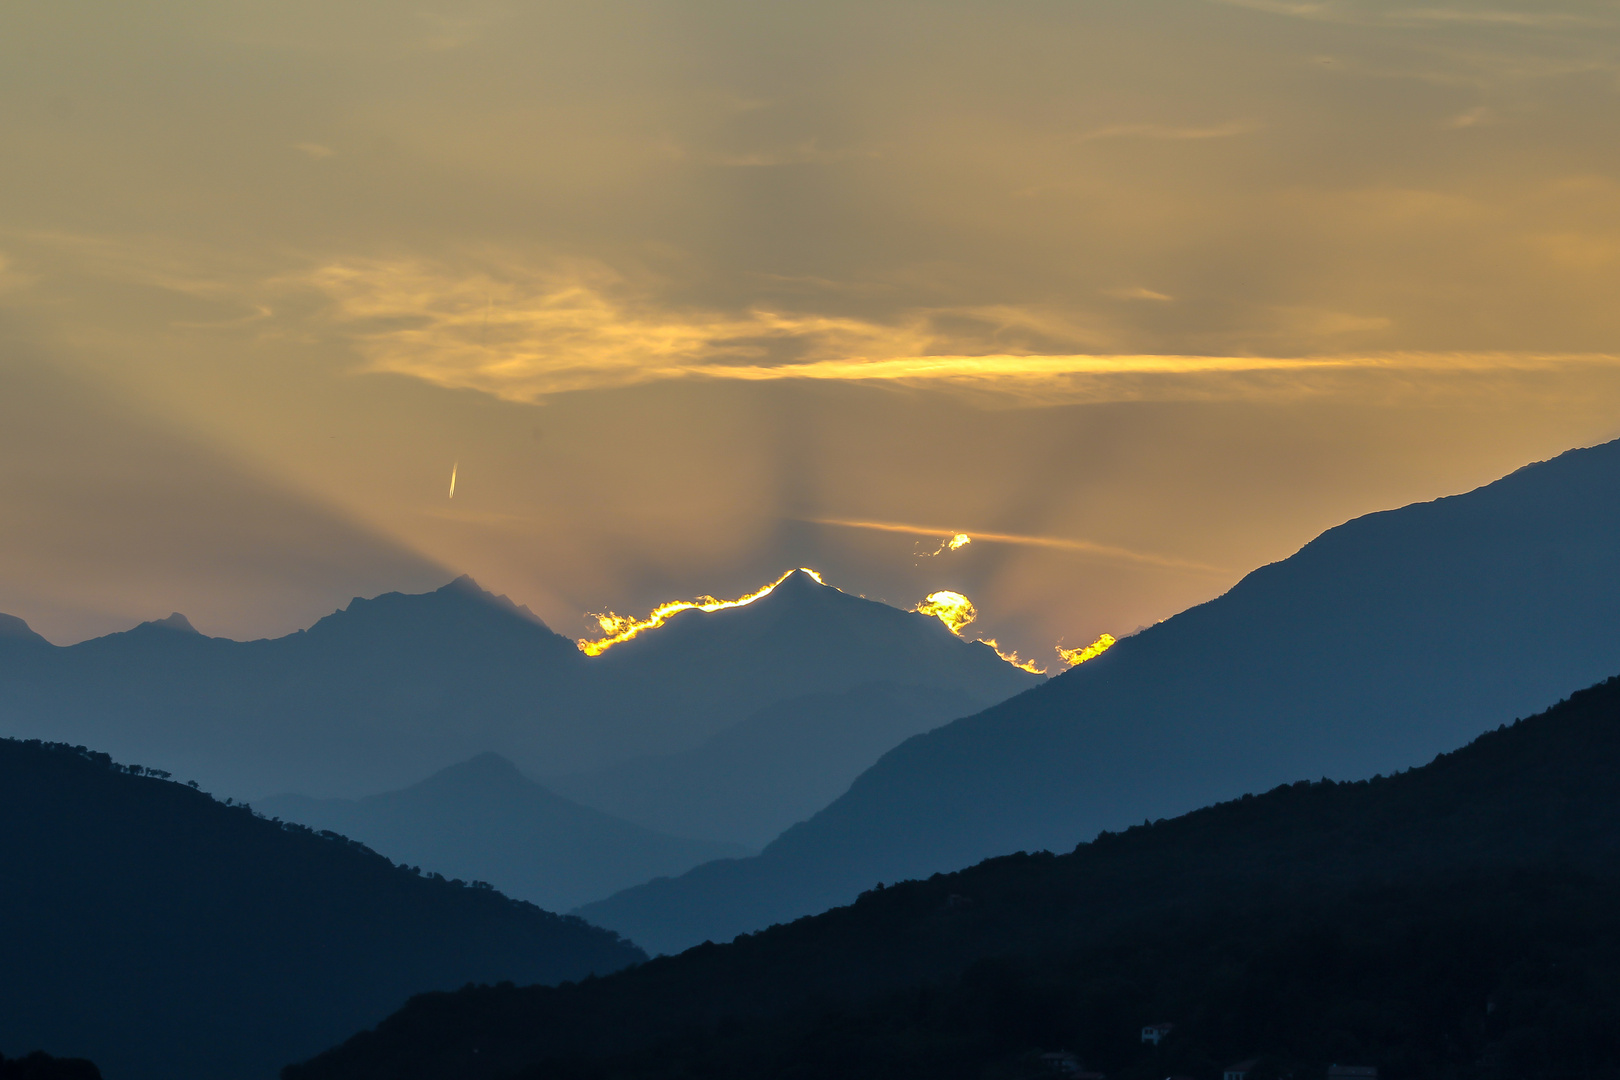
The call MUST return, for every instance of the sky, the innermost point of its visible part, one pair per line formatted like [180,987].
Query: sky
[1139,295]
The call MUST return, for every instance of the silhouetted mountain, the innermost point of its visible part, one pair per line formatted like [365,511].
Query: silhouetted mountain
[484,820]
[15,631]
[1461,919]
[1378,644]
[371,697]
[42,1066]
[163,934]
[777,767]
[389,690]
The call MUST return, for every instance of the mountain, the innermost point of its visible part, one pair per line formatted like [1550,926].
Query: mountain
[484,820]
[42,1066]
[372,697]
[160,933]
[389,690]
[1380,643]
[779,766]
[1461,919]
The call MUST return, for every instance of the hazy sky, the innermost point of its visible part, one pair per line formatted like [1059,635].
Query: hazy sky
[1155,291]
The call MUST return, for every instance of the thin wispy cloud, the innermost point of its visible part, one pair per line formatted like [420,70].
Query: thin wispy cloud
[1086,547]
[1465,17]
[1371,15]
[1171,131]
[1475,117]
[527,335]
[1137,292]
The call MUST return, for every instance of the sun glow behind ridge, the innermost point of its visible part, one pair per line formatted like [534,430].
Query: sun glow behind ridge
[1076,657]
[619,628]
[956,612]
[953,609]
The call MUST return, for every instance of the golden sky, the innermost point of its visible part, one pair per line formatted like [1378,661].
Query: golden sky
[689,294]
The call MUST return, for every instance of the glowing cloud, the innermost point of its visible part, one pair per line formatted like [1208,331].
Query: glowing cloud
[1076,657]
[524,333]
[949,543]
[951,608]
[623,627]
[453,469]
[1064,543]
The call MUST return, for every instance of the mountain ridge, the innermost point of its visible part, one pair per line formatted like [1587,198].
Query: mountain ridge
[1318,920]
[482,819]
[1379,643]
[390,689]
[160,932]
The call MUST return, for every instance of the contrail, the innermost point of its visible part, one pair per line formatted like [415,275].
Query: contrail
[1064,543]
[453,469]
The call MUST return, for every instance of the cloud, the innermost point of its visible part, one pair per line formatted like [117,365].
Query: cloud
[1463,16]
[1368,15]
[11,278]
[804,153]
[526,336]
[1086,547]
[1474,117]
[1167,131]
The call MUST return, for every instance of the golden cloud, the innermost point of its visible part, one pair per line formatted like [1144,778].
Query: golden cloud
[523,335]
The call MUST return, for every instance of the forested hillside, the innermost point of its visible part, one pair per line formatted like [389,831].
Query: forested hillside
[161,934]
[1459,919]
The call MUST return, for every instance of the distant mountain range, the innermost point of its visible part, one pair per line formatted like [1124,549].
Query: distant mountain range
[484,820]
[161,934]
[393,689]
[1381,643]
[777,767]
[1459,919]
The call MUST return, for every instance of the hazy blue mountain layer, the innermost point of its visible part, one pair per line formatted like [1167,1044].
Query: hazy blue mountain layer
[483,820]
[1377,645]
[779,766]
[1461,919]
[389,690]
[162,934]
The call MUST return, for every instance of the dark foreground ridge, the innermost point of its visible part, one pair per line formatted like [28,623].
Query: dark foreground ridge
[42,1066]
[163,934]
[1461,919]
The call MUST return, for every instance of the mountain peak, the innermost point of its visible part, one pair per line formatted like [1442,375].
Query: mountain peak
[802,580]
[15,629]
[482,775]
[176,622]
[461,602]
[486,766]
[465,586]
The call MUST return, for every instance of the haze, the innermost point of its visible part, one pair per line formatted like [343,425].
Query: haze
[1137,296]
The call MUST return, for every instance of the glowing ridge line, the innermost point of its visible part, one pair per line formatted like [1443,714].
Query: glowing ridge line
[956,611]
[1076,657]
[622,627]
